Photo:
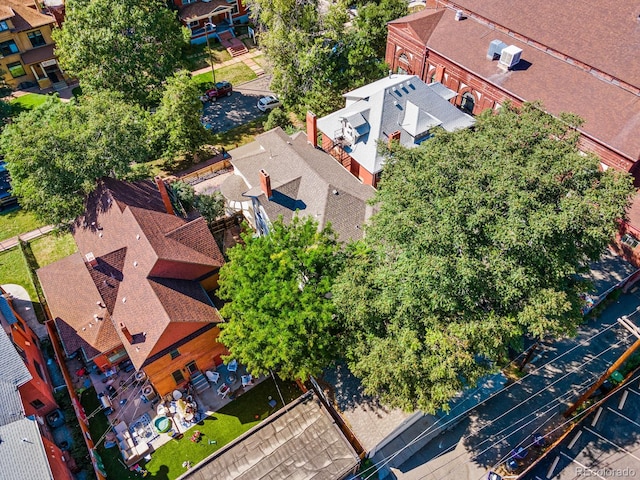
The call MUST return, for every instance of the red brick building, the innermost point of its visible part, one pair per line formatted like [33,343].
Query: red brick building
[573,56]
[27,397]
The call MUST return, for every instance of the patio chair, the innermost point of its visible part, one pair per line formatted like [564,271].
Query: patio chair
[223,390]
[247,380]
[233,365]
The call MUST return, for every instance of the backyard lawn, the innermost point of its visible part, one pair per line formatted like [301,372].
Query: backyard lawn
[17,221]
[13,269]
[236,74]
[98,425]
[236,137]
[220,429]
[50,248]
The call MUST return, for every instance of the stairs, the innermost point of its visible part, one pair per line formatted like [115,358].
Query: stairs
[233,45]
[58,86]
[199,382]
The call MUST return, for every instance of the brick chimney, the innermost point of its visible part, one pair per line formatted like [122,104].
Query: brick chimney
[91,259]
[265,183]
[394,137]
[162,188]
[127,334]
[312,129]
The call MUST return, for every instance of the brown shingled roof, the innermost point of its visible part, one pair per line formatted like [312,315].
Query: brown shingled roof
[198,9]
[132,238]
[72,298]
[37,55]
[611,113]
[24,17]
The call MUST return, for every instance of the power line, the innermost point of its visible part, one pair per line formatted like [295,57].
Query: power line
[428,430]
[554,400]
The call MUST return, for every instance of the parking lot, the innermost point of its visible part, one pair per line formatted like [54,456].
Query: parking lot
[240,108]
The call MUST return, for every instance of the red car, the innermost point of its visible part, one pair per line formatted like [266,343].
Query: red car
[220,90]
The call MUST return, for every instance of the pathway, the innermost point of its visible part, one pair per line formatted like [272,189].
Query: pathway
[246,58]
[24,308]
[13,241]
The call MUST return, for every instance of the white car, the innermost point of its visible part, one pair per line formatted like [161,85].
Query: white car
[268,103]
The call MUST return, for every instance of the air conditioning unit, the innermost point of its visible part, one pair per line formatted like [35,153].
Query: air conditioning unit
[509,57]
[495,49]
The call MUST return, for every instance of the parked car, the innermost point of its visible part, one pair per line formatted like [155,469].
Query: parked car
[219,90]
[268,103]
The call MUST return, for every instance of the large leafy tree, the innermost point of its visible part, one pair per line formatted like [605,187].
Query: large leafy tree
[280,316]
[57,151]
[176,126]
[130,46]
[315,56]
[478,240]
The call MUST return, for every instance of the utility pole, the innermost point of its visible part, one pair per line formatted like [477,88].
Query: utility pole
[206,32]
[629,325]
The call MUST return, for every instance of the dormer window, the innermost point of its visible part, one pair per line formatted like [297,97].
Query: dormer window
[354,127]
[4,26]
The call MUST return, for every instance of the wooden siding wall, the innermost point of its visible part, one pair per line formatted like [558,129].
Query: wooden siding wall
[202,349]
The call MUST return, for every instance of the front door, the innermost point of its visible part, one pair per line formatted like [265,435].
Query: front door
[52,72]
[192,367]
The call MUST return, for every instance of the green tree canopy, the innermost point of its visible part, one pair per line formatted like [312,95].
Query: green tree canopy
[130,46]
[315,57]
[57,151]
[176,127]
[280,316]
[477,242]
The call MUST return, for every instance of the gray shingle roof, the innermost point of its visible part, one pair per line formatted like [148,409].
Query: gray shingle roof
[395,103]
[301,442]
[13,374]
[303,178]
[22,453]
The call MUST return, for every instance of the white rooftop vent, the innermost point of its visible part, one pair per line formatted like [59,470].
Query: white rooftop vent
[495,49]
[459,15]
[509,57]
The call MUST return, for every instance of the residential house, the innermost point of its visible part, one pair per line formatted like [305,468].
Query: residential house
[573,58]
[137,288]
[281,175]
[27,450]
[211,18]
[398,107]
[26,48]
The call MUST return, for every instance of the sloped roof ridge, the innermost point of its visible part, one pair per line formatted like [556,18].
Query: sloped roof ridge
[12,368]
[199,223]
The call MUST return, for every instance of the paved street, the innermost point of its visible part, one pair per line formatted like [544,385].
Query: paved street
[491,431]
[240,108]
[605,446]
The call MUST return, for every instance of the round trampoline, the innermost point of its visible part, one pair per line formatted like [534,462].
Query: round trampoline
[162,424]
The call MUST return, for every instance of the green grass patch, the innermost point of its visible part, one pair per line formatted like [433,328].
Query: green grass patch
[197,56]
[262,61]
[98,425]
[236,74]
[222,427]
[15,222]
[13,269]
[53,247]
[29,101]
[236,137]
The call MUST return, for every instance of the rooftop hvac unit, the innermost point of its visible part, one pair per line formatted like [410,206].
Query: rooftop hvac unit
[509,57]
[495,49]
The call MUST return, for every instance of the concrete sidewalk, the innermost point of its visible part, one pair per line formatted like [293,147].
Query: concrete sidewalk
[246,58]
[534,405]
[13,241]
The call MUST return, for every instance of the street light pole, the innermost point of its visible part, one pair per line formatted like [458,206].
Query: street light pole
[206,33]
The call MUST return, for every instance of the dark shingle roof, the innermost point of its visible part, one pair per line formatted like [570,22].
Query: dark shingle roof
[303,178]
[301,441]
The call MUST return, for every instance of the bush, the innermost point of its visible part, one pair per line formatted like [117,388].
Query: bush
[277,118]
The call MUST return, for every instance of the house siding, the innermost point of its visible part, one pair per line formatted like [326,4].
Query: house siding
[203,350]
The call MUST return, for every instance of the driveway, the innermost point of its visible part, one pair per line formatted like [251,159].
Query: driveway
[229,112]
